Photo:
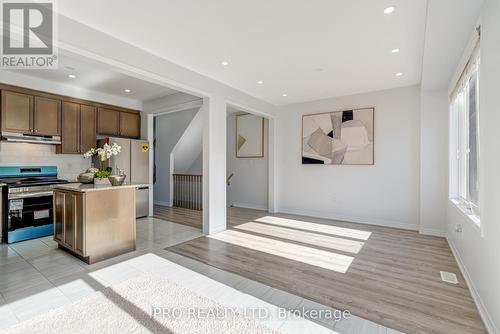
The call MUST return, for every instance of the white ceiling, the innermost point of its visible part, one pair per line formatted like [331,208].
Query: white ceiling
[97,77]
[307,49]
[450,24]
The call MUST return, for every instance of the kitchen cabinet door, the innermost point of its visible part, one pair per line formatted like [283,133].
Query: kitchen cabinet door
[47,116]
[69,219]
[17,112]
[70,139]
[78,224]
[88,138]
[130,125]
[58,215]
[108,121]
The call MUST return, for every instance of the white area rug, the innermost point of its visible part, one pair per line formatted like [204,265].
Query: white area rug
[128,308]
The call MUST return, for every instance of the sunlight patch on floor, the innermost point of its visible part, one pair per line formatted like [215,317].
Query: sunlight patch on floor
[314,239]
[312,256]
[316,227]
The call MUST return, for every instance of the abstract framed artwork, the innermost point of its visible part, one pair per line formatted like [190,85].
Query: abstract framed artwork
[339,138]
[249,136]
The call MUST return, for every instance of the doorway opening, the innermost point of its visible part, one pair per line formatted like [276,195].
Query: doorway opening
[247,160]
[178,164]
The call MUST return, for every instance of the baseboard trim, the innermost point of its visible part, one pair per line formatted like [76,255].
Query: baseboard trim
[433,232]
[350,219]
[250,206]
[483,312]
[161,203]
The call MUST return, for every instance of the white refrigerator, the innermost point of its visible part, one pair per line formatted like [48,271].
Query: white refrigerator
[134,162]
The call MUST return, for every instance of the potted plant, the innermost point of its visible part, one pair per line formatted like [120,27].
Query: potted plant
[104,153]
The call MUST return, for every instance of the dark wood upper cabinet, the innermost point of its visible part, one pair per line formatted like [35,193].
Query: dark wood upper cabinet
[47,116]
[130,125]
[17,112]
[118,123]
[78,128]
[70,128]
[88,117]
[24,113]
[77,121]
[108,121]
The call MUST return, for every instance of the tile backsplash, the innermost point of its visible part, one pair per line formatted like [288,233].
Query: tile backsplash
[26,154]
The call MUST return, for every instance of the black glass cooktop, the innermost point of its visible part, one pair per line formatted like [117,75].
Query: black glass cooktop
[31,181]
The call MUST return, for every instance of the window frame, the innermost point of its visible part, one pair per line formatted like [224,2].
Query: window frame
[459,191]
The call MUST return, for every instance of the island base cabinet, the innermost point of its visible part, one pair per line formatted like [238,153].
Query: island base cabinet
[95,225]
[68,221]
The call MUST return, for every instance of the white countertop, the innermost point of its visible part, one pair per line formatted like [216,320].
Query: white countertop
[83,187]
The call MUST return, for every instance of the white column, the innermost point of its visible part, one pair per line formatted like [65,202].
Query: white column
[271,144]
[214,164]
[150,137]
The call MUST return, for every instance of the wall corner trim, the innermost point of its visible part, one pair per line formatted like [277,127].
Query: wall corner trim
[483,311]
[350,219]
[161,203]
[250,206]
[433,232]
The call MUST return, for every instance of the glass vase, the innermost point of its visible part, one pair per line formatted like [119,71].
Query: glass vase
[103,164]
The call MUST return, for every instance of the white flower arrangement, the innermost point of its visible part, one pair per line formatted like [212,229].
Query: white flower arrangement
[105,152]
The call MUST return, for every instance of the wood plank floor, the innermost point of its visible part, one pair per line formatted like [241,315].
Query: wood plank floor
[386,275]
[177,215]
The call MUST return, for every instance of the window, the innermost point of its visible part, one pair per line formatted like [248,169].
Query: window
[464,143]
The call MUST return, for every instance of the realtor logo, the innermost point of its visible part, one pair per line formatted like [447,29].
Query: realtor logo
[28,35]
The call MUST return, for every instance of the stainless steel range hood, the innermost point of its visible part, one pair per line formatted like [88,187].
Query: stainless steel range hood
[20,138]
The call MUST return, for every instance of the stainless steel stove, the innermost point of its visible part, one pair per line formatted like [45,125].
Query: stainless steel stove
[27,208]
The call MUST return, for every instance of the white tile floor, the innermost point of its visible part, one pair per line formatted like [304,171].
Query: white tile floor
[35,276]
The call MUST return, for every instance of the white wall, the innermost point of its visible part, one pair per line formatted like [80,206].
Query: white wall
[169,128]
[477,253]
[75,37]
[386,193]
[250,181]
[26,81]
[168,103]
[433,161]
[189,146]
[197,166]
[26,154]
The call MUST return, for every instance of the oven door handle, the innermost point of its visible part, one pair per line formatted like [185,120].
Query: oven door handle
[31,195]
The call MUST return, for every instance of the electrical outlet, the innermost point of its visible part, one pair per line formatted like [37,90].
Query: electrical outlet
[458,228]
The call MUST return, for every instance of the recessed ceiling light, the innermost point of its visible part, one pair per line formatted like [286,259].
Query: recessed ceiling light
[284,95]
[389,10]
[224,63]
[260,82]
[395,50]
[72,76]
[399,74]
[126,90]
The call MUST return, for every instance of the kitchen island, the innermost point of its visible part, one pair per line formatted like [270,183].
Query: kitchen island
[95,222]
